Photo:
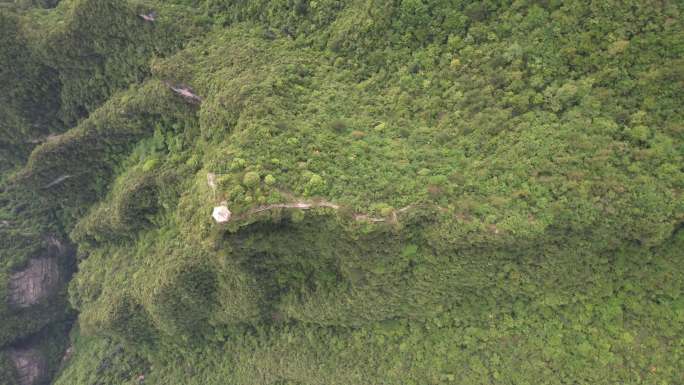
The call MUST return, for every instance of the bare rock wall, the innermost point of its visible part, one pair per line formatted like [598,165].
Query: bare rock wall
[30,364]
[38,281]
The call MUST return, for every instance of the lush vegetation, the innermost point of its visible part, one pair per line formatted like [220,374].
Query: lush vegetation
[493,190]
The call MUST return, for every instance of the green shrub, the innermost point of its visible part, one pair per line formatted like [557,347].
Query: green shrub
[270,180]
[251,179]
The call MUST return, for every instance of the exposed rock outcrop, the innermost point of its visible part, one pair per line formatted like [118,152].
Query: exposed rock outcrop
[39,280]
[30,364]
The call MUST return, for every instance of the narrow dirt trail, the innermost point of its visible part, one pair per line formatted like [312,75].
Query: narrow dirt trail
[304,204]
[312,204]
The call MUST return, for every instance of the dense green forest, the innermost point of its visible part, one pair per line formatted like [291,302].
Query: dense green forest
[420,192]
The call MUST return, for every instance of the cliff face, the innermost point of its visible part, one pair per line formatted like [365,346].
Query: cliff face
[35,315]
[30,364]
[42,278]
[39,281]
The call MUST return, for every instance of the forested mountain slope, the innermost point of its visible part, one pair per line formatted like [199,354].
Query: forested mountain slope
[420,192]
